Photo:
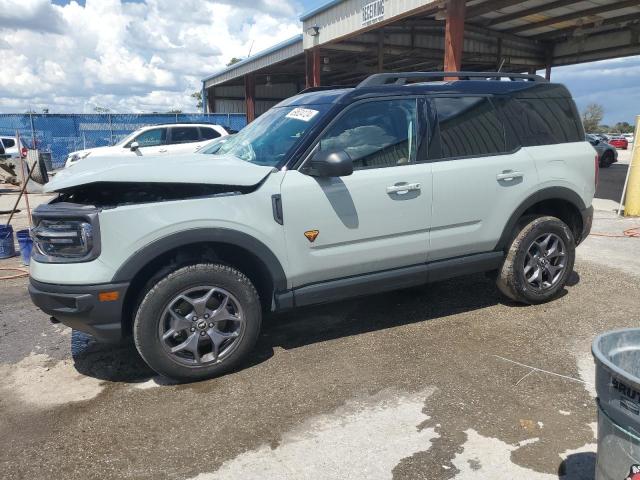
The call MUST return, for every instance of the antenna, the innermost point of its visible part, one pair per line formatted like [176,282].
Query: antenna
[250,48]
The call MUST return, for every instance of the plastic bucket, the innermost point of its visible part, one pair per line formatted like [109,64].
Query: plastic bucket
[7,248]
[26,244]
[617,358]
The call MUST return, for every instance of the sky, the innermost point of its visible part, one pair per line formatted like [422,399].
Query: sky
[151,55]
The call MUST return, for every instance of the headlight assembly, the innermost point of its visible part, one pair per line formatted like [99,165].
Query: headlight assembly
[61,235]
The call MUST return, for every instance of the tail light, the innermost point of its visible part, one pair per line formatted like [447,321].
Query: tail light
[23,152]
[597,169]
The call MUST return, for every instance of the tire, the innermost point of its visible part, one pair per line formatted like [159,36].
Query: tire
[185,329]
[606,160]
[517,278]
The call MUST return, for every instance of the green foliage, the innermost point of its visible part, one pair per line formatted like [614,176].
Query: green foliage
[592,116]
[198,96]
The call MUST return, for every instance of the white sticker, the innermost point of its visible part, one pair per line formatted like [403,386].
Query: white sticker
[304,114]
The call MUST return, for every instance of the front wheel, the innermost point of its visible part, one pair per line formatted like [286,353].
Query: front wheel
[198,322]
[539,261]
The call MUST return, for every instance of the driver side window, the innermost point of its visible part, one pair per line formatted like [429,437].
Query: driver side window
[375,134]
[151,138]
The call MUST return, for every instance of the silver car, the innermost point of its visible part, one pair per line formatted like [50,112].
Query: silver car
[607,154]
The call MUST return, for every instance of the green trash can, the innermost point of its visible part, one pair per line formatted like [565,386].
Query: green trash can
[617,358]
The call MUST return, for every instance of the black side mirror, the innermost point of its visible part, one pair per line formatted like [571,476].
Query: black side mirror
[330,164]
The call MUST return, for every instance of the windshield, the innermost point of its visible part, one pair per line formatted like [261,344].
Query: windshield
[268,139]
[214,145]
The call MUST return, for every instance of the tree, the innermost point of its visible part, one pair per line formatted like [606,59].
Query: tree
[233,61]
[198,96]
[175,111]
[623,127]
[592,116]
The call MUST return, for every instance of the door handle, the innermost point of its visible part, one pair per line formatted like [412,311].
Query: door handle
[509,175]
[163,150]
[401,189]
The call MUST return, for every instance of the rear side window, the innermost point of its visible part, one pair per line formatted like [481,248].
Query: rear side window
[376,134]
[208,133]
[469,126]
[547,121]
[184,134]
[8,142]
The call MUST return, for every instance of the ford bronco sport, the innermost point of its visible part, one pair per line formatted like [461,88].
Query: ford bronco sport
[333,193]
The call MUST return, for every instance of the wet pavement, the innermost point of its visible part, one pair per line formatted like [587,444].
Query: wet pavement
[432,382]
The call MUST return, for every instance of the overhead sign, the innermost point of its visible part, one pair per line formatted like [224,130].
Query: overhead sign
[372,12]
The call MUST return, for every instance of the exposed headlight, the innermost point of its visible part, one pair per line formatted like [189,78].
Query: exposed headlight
[67,238]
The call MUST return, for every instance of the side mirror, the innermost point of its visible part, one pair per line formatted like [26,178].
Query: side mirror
[331,164]
[134,146]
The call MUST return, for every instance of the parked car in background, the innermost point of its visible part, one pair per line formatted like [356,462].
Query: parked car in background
[607,154]
[167,139]
[628,136]
[619,142]
[11,149]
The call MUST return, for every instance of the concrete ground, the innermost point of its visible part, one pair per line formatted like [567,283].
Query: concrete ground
[436,382]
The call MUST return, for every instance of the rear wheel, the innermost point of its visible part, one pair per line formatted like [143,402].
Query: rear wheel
[539,261]
[198,322]
[606,160]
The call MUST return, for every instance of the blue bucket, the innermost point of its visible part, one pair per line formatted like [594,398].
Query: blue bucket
[7,248]
[26,244]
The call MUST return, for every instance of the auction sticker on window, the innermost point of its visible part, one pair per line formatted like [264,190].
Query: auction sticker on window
[304,114]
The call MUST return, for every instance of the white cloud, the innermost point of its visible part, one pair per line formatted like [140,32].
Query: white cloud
[128,56]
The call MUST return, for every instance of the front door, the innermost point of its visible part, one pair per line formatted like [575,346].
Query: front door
[376,219]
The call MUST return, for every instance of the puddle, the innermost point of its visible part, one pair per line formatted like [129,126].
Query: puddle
[364,439]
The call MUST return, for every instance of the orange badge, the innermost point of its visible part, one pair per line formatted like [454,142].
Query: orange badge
[311,235]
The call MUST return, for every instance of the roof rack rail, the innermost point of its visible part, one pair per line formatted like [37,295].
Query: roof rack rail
[400,78]
[324,87]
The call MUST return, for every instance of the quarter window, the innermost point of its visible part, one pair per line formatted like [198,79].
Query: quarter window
[469,126]
[151,138]
[184,134]
[375,134]
[545,121]
[8,142]
[208,133]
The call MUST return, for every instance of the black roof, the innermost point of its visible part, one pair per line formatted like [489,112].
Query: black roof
[375,86]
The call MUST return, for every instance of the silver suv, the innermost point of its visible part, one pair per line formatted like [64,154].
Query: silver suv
[333,193]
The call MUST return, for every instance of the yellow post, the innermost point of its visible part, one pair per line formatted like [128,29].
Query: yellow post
[632,198]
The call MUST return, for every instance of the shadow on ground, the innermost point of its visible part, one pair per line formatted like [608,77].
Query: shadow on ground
[309,325]
[581,466]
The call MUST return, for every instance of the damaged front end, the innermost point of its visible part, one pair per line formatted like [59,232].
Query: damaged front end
[115,194]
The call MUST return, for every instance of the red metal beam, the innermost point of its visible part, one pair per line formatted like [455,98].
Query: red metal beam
[313,67]
[454,35]
[250,96]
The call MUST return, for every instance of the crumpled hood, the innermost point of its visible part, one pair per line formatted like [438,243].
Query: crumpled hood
[184,168]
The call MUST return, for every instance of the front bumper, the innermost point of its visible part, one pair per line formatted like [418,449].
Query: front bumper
[79,307]
[587,221]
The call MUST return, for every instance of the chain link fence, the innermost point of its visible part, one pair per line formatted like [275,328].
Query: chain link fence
[59,134]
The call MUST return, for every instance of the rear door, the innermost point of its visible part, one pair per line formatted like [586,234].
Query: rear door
[478,179]
[375,219]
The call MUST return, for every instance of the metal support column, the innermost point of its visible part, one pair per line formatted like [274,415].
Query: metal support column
[250,96]
[454,35]
[312,57]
